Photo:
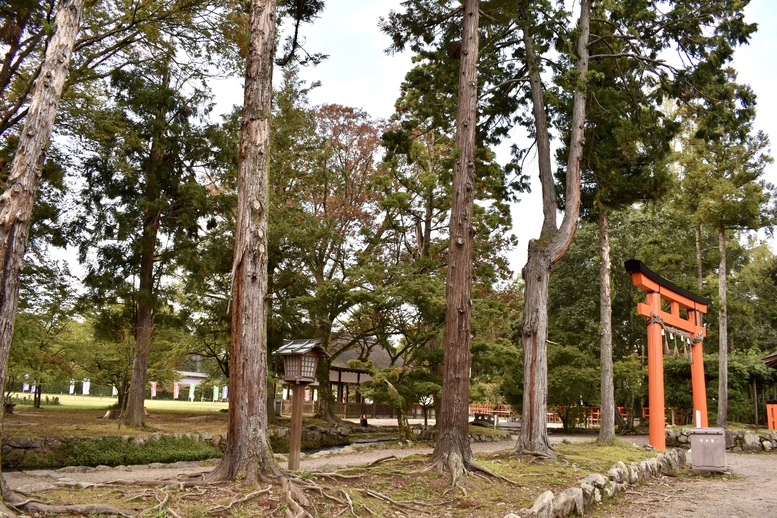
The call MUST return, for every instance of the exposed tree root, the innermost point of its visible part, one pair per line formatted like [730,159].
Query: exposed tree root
[474,467]
[534,455]
[406,505]
[13,502]
[249,496]
[295,510]
[384,459]
[336,475]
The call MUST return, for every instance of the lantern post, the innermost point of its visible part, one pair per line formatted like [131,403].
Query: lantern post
[300,360]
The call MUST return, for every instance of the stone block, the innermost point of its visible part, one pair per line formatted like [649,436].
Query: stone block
[565,504]
[751,442]
[544,506]
[634,473]
[576,495]
[731,439]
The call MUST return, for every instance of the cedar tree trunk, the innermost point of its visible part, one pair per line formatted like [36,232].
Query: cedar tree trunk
[548,250]
[247,452]
[699,272]
[723,332]
[133,414]
[607,427]
[452,450]
[24,175]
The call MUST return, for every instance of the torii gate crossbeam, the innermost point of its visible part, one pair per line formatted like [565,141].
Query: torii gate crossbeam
[684,317]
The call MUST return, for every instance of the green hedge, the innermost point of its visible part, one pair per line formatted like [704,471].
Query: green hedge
[114,451]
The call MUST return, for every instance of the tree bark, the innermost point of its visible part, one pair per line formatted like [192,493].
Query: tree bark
[723,334]
[699,271]
[548,250]
[452,450]
[607,407]
[134,414]
[17,200]
[247,452]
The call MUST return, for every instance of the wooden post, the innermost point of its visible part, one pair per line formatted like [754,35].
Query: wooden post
[295,434]
[656,417]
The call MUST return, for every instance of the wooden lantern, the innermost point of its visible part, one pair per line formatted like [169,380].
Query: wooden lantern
[300,360]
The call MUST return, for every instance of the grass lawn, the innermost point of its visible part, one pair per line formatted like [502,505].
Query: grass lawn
[83,416]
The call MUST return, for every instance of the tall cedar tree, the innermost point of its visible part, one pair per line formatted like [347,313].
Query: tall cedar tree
[452,450]
[142,200]
[247,454]
[554,241]
[624,161]
[723,162]
[16,202]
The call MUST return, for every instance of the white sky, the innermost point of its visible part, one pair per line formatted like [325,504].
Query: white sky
[359,74]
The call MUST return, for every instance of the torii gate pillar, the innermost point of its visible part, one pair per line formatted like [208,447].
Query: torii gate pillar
[688,321]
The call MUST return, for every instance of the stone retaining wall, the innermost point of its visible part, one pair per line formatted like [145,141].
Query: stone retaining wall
[15,451]
[429,435]
[736,441]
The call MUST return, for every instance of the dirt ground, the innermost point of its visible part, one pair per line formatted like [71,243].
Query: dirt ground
[749,490]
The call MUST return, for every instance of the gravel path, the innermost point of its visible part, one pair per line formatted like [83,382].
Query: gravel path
[751,491]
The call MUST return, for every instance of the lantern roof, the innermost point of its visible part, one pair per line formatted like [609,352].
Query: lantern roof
[303,346]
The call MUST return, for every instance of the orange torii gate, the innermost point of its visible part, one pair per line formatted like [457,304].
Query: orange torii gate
[684,318]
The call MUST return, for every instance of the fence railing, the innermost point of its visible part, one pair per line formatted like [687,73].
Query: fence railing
[344,410]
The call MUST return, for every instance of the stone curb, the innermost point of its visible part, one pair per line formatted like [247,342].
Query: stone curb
[591,490]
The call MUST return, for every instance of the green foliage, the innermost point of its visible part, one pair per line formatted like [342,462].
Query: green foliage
[572,379]
[116,451]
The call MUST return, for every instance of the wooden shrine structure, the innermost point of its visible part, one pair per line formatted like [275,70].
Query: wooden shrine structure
[671,309]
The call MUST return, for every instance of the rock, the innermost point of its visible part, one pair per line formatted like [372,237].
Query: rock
[544,506]
[511,515]
[672,437]
[610,489]
[751,442]
[589,492]
[618,473]
[633,472]
[577,496]
[565,504]
[682,459]
[767,445]
[731,439]
[595,480]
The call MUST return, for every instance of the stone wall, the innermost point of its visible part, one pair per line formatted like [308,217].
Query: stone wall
[736,441]
[429,435]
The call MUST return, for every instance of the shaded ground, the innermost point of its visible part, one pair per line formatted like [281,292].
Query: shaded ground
[750,490]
